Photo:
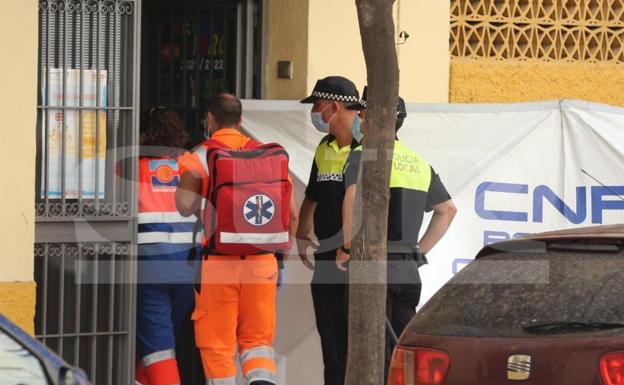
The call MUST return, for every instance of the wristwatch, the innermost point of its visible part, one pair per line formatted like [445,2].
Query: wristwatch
[345,250]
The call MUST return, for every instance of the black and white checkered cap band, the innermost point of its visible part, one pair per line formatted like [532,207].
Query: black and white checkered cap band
[329,96]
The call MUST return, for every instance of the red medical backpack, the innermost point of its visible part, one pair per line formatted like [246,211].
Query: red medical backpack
[247,207]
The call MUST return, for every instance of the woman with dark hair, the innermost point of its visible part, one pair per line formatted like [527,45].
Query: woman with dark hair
[165,279]
[162,131]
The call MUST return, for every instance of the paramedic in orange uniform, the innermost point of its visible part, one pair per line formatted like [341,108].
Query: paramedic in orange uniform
[165,291]
[236,304]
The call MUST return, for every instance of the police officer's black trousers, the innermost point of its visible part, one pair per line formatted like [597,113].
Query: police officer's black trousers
[330,297]
[329,287]
[403,294]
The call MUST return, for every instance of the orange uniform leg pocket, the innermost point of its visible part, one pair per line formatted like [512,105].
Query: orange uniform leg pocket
[216,315]
[256,321]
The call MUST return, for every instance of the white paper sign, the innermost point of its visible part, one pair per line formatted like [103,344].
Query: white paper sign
[63,126]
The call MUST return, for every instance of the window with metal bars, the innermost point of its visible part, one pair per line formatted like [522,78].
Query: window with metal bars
[83,309]
[85,198]
[85,107]
[87,131]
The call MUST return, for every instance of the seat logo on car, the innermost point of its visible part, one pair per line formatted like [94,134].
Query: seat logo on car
[519,367]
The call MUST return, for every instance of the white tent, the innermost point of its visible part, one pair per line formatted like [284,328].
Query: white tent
[511,169]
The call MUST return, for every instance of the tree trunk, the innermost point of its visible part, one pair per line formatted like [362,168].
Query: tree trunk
[367,269]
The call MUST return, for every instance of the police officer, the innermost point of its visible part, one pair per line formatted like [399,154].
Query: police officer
[321,211]
[415,188]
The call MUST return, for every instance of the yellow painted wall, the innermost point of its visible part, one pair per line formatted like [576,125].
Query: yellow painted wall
[424,60]
[18,98]
[333,46]
[17,303]
[490,81]
[336,48]
[287,40]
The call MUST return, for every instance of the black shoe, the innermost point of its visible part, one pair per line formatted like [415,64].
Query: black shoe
[261,383]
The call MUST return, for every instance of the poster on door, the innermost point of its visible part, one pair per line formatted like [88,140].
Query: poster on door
[74,159]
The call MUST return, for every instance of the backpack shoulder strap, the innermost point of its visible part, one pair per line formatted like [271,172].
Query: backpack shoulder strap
[214,143]
[264,146]
[251,143]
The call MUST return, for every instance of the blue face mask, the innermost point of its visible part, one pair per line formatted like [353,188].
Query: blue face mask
[356,129]
[319,123]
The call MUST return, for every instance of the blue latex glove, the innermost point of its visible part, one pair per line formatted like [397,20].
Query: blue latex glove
[280,276]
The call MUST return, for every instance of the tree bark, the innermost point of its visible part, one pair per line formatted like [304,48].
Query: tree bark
[367,268]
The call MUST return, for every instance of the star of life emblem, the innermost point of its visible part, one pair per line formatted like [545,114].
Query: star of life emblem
[259,210]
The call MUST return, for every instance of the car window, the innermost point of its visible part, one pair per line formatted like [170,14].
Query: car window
[501,294]
[17,365]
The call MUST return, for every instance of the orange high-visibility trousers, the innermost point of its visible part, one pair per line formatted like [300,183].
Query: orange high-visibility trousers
[236,307]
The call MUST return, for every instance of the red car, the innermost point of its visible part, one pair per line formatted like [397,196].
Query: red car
[548,310]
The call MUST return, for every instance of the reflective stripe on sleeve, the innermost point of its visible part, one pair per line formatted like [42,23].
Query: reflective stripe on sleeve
[201,154]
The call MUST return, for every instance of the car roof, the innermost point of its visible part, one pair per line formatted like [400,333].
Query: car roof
[595,234]
[48,359]
[592,232]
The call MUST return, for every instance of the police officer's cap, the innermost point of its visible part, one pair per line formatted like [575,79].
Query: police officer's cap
[361,105]
[334,88]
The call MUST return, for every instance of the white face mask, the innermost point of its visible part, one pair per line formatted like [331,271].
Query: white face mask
[319,123]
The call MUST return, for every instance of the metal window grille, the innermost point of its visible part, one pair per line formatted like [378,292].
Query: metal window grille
[85,198]
[88,324]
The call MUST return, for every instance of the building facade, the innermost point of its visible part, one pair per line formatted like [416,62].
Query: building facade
[511,51]
[19,101]
[78,74]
